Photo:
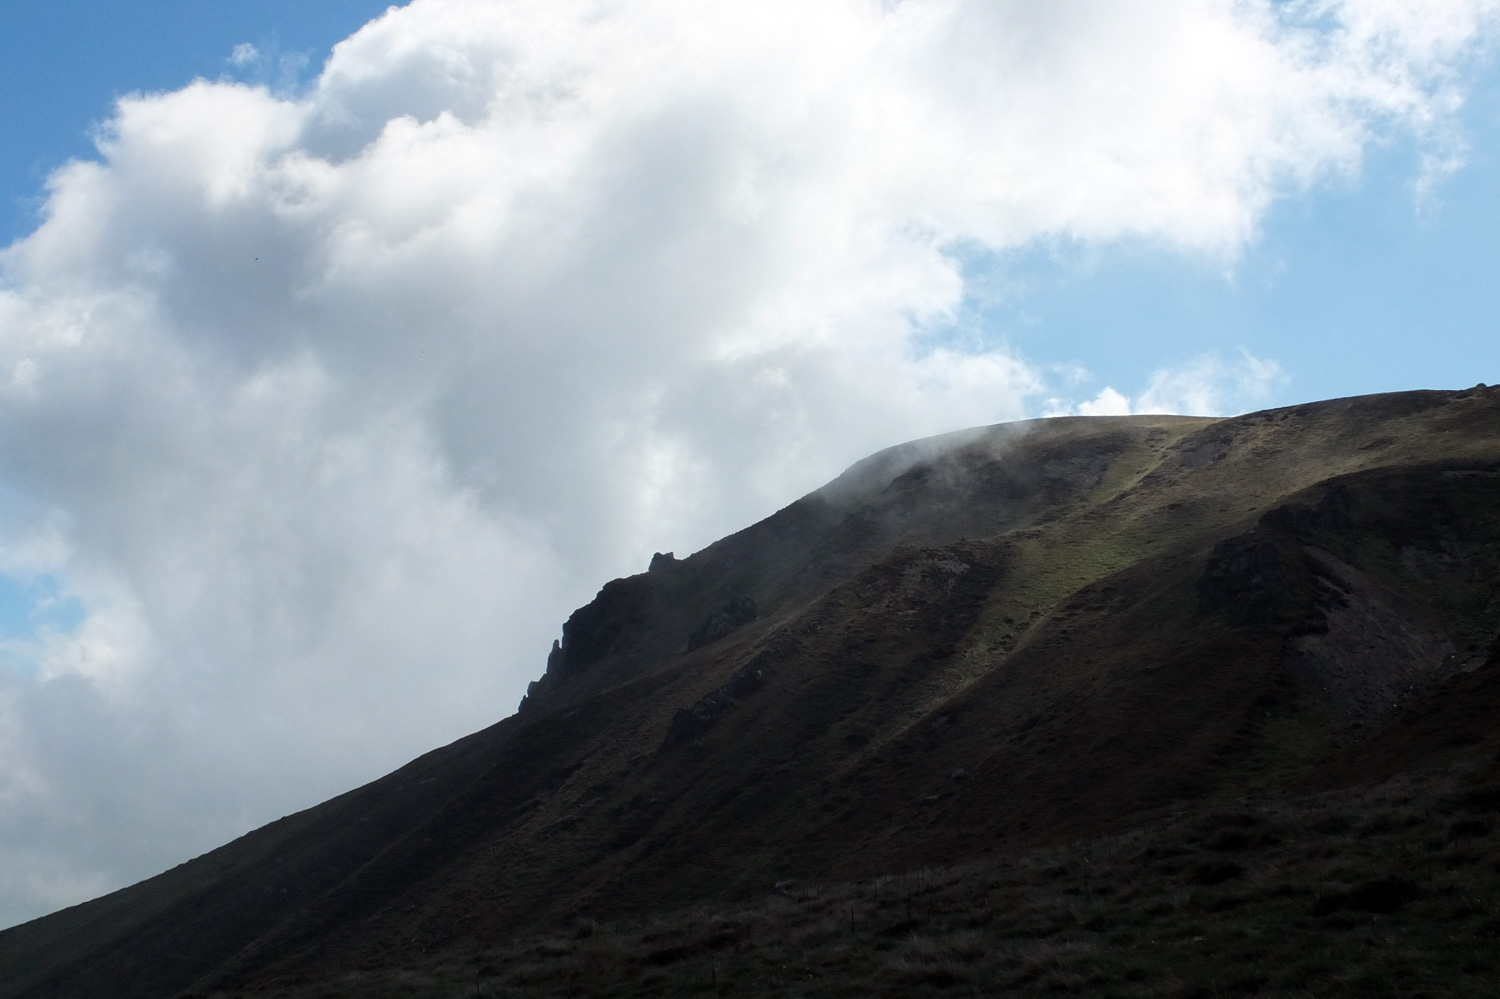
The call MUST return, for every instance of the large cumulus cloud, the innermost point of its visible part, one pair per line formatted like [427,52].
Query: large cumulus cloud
[327,406]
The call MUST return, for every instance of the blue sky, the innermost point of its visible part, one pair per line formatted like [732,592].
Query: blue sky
[323,403]
[1359,285]
[63,64]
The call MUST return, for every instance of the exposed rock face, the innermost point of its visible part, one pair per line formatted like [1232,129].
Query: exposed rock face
[738,612]
[611,623]
[690,722]
[1365,640]
[1333,513]
[1397,558]
[1375,649]
[1249,577]
[614,621]
[538,688]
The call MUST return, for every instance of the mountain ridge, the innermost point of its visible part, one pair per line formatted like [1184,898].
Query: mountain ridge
[988,640]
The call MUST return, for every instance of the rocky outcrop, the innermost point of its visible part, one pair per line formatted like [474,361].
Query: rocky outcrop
[734,615]
[1332,514]
[614,621]
[1249,577]
[691,722]
[1375,647]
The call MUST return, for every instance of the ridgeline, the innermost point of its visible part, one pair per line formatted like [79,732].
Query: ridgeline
[1091,706]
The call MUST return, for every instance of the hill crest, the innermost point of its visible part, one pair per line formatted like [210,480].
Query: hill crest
[979,642]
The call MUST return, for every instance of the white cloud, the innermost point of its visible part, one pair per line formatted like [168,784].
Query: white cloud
[1211,386]
[330,406]
[244,54]
[1205,386]
[1107,403]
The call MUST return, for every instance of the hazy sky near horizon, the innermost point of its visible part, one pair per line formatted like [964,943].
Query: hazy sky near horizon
[344,352]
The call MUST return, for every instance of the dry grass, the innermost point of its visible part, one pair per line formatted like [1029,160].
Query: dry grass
[1392,890]
[1072,680]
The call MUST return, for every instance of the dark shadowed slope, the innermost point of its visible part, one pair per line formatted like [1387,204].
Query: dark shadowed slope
[976,643]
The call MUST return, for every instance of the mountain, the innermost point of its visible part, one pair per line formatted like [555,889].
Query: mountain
[966,654]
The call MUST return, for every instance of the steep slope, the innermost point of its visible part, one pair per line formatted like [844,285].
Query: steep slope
[966,644]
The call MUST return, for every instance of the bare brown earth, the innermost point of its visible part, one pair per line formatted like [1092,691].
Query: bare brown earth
[976,655]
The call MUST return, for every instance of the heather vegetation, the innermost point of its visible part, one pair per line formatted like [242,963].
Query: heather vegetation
[1387,890]
[1118,706]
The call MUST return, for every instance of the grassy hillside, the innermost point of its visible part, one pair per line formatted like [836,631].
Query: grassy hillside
[1391,890]
[959,655]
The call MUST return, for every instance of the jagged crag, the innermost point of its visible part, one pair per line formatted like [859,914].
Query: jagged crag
[1114,706]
